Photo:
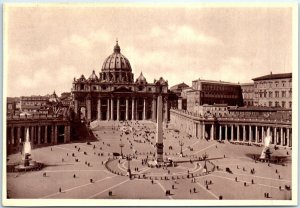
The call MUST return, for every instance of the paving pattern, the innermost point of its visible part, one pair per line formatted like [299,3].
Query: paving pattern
[97,172]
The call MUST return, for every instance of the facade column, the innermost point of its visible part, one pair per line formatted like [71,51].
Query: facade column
[154,109]
[144,110]
[12,139]
[262,134]
[107,110]
[133,109]
[226,132]
[238,133]
[244,133]
[111,109]
[212,132]
[203,130]
[126,116]
[67,134]
[76,106]
[46,134]
[288,137]
[275,136]
[55,134]
[220,132]
[99,109]
[39,135]
[118,109]
[256,134]
[88,108]
[232,132]
[250,133]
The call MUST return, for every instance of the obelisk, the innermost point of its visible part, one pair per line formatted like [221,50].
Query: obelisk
[159,132]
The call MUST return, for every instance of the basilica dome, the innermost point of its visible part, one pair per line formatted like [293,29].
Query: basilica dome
[116,67]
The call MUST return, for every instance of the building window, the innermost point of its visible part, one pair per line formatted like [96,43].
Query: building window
[283,104]
[283,94]
[283,83]
[82,87]
[276,94]
[290,104]
[290,92]
[276,104]
[270,94]
[270,103]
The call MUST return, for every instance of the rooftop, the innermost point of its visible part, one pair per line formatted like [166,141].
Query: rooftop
[273,76]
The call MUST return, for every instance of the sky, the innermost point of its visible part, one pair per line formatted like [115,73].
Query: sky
[47,46]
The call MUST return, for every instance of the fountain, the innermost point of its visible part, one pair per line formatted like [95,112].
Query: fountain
[266,153]
[27,162]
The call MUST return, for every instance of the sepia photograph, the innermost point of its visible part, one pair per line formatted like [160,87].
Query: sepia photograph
[109,104]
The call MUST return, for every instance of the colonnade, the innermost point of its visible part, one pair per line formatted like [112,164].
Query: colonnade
[233,129]
[39,134]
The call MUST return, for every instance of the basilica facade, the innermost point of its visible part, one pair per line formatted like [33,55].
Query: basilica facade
[113,94]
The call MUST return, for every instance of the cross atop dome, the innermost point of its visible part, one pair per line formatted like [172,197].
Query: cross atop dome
[117,48]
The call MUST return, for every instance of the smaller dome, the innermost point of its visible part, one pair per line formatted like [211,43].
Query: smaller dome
[161,81]
[93,76]
[53,97]
[141,79]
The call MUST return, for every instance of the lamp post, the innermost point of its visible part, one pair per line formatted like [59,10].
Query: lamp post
[181,144]
[205,156]
[128,168]
[121,146]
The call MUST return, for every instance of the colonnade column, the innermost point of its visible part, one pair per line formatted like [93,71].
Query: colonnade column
[237,133]
[262,134]
[111,109]
[232,132]
[18,134]
[244,133]
[99,109]
[107,111]
[226,132]
[32,134]
[220,132]
[250,133]
[281,136]
[46,134]
[118,109]
[12,135]
[39,135]
[144,110]
[288,137]
[126,115]
[133,109]
[212,132]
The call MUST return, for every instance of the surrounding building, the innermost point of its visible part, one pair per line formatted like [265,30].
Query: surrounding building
[214,92]
[33,103]
[115,95]
[248,93]
[179,97]
[218,110]
[273,90]
[12,105]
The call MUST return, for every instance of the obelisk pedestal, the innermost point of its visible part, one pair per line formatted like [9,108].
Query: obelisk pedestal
[159,133]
